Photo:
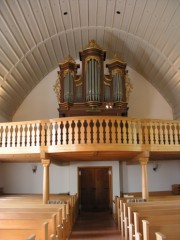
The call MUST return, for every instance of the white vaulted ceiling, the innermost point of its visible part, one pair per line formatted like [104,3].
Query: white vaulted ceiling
[37,34]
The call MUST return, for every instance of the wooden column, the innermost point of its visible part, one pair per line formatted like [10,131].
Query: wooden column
[145,192]
[45,163]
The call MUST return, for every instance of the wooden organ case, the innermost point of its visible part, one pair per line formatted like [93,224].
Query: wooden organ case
[92,92]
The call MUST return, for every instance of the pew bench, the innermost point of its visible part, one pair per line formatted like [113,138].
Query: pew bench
[126,209]
[125,217]
[30,206]
[170,229]
[51,218]
[10,220]
[63,223]
[22,232]
[158,222]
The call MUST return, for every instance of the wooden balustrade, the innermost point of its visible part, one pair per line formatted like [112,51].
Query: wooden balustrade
[90,130]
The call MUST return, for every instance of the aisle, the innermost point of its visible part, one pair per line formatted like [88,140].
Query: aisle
[95,225]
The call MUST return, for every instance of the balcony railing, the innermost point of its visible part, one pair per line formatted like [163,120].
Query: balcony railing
[20,136]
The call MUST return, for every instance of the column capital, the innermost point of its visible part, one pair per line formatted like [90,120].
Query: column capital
[143,160]
[44,155]
[45,162]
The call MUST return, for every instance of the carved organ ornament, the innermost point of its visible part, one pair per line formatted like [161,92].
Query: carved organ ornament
[92,92]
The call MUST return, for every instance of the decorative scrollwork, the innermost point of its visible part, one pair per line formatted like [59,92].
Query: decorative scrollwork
[93,44]
[117,71]
[116,57]
[129,87]
[92,58]
[57,89]
[78,81]
[69,59]
[68,71]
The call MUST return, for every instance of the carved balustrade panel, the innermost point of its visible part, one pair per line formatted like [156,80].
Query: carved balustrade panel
[89,130]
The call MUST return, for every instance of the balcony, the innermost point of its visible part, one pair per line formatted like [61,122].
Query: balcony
[89,138]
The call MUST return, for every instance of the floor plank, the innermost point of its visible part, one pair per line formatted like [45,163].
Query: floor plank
[95,225]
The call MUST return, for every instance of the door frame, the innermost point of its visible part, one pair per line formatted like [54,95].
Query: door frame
[110,183]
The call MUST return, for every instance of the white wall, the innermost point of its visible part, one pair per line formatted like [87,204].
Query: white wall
[168,173]
[19,178]
[145,101]
[59,179]
[41,103]
[3,119]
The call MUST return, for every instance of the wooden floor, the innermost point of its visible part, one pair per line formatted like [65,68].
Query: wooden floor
[95,225]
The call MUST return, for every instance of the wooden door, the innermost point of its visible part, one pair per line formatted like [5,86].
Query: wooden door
[95,188]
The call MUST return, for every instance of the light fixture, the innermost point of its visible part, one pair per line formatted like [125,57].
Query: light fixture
[34,168]
[155,167]
[109,105]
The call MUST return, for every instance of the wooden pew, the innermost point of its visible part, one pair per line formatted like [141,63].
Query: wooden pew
[21,233]
[32,237]
[170,229]
[158,222]
[50,217]
[71,200]
[60,210]
[29,204]
[160,236]
[40,210]
[66,212]
[52,237]
[126,223]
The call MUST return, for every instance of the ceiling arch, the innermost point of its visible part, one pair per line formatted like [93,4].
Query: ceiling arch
[37,35]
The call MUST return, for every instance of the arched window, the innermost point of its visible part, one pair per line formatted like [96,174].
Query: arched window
[92,80]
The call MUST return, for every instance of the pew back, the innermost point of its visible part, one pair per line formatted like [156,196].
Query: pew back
[159,214]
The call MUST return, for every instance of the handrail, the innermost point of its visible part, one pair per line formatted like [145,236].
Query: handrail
[90,130]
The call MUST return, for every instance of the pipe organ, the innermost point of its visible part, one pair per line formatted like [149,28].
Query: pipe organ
[93,92]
